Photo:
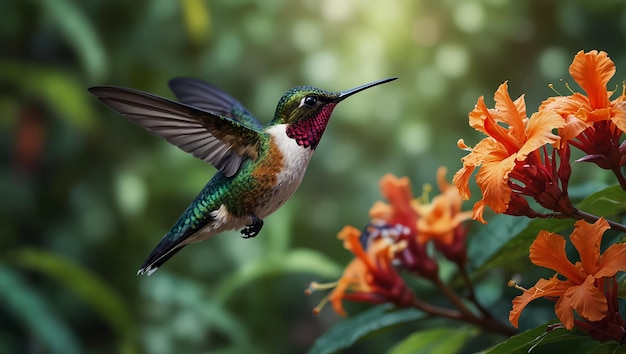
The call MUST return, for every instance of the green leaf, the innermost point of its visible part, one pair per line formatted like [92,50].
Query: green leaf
[506,238]
[30,307]
[605,348]
[621,349]
[538,340]
[294,261]
[435,341]
[85,284]
[79,33]
[351,330]
[607,202]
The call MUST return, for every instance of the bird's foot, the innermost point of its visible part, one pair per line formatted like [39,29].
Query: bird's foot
[252,229]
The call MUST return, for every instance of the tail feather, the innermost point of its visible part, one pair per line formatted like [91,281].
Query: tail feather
[189,228]
[161,254]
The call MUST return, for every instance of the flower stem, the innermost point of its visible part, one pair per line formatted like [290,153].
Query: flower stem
[582,215]
[487,324]
[471,293]
[454,298]
[617,171]
[592,218]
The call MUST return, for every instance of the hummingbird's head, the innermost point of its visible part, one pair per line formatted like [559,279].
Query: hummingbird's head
[306,111]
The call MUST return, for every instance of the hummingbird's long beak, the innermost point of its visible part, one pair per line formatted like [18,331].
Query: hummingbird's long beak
[345,94]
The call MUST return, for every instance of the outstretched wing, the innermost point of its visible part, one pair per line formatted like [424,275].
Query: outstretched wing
[216,139]
[205,96]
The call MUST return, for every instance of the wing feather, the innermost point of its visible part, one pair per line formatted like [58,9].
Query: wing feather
[205,96]
[214,138]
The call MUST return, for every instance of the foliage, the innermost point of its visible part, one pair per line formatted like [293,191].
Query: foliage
[85,195]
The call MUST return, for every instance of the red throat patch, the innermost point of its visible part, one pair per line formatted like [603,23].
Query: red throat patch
[308,132]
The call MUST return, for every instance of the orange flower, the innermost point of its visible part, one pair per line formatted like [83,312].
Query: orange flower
[439,218]
[582,290]
[594,123]
[592,71]
[400,217]
[390,243]
[511,137]
[400,209]
[371,276]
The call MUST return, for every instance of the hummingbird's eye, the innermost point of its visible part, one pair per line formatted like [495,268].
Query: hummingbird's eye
[309,101]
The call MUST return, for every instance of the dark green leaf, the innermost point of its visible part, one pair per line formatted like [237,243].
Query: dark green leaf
[351,330]
[607,202]
[85,284]
[435,341]
[79,32]
[605,348]
[538,341]
[30,307]
[620,349]
[506,238]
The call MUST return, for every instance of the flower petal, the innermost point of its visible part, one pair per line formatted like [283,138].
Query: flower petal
[478,114]
[511,113]
[587,238]
[588,301]
[573,127]
[619,113]
[461,180]
[544,287]
[503,136]
[539,132]
[353,278]
[565,105]
[351,241]
[381,211]
[596,115]
[442,182]
[613,260]
[565,313]
[478,211]
[492,179]
[548,250]
[399,194]
[592,71]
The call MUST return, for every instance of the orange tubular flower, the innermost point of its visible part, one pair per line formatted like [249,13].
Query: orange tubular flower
[442,215]
[511,138]
[371,276]
[592,72]
[441,220]
[594,123]
[584,290]
[396,240]
[400,208]
[400,218]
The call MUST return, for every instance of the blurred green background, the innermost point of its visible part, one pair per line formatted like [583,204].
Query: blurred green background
[85,195]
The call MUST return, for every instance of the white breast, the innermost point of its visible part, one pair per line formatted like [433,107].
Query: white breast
[295,161]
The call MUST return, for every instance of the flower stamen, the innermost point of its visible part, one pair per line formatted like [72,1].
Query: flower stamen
[315,286]
[551,86]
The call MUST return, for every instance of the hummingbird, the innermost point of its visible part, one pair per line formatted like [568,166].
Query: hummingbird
[259,166]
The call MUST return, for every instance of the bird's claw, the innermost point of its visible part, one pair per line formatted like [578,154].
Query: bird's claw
[252,229]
